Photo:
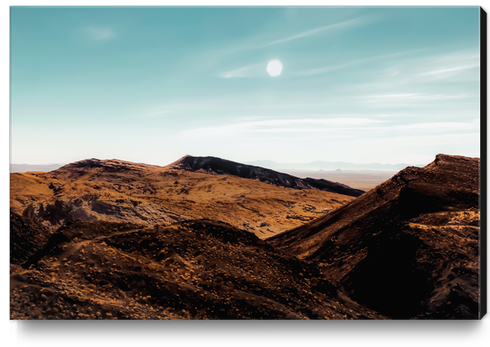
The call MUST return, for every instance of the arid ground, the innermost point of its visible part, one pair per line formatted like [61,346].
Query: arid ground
[206,238]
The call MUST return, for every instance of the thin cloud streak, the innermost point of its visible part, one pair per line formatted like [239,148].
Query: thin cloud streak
[249,71]
[413,75]
[351,63]
[257,70]
[412,96]
[449,70]
[342,25]
[344,126]
[355,22]
[281,125]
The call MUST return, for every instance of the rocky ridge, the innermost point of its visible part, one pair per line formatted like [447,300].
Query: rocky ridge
[222,166]
[408,248]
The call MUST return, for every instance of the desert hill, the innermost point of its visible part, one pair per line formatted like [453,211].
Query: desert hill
[190,270]
[222,166]
[121,191]
[408,248]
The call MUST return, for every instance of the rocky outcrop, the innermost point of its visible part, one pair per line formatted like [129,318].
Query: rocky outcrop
[64,210]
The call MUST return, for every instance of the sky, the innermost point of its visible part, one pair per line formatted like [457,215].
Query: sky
[356,84]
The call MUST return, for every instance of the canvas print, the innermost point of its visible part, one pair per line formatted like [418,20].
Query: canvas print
[246,163]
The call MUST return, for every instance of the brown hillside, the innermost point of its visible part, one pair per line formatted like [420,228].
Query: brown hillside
[120,191]
[408,248]
[190,270]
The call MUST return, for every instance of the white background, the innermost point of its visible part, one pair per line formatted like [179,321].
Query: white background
[219,333]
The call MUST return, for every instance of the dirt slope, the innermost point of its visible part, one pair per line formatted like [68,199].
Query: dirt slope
[190,270]
[408,248]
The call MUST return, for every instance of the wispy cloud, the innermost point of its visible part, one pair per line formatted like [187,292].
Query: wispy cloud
[437,67]
[259,42]
[332,27]
[258,70]
[249,71]
[437,127]
[418,78]
[390,96]
[351,63]
[343,127]
[412,96]
[321,70]
[449,70]
[310,125]
[100,33]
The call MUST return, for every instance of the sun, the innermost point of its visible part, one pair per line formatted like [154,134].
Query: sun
[274,68]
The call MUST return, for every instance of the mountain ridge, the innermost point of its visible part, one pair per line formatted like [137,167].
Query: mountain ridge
[407,246]
[223,166]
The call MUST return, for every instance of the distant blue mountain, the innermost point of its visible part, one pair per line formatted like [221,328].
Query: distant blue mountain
[27,167]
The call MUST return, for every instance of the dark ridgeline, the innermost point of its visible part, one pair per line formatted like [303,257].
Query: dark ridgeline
[223,166]
[408,248]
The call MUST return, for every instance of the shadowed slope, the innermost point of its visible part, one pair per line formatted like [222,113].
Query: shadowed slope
[409,247]
[191,270]
[26,238]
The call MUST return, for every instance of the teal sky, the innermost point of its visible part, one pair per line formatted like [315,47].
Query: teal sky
[362,85]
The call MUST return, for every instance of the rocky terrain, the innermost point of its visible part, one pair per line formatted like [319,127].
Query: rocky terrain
[408,248]
[190,270]
[119,191]
[117,240]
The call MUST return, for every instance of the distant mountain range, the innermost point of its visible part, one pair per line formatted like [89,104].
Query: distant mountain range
[28,167]
[269,164]
[328,165]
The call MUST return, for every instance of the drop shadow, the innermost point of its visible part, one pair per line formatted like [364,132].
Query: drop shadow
[34,330]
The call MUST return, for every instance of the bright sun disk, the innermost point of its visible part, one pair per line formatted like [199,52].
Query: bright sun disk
[274,68]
